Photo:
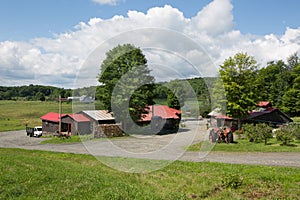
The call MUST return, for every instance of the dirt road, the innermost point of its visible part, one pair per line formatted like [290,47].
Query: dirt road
[166,147]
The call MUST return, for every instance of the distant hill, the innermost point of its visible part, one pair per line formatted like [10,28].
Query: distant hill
[41,92]
[32,92]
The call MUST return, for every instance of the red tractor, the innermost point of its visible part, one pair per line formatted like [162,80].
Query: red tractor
[224,134]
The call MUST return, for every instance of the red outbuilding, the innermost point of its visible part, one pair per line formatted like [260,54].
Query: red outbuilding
[70,123]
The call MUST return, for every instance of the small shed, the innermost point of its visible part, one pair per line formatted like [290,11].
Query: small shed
[77,123]
[50,123]
[71,123]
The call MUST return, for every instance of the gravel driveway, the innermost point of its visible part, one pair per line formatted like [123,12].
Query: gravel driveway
[165,147]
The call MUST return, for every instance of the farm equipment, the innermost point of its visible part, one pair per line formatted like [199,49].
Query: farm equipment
[219,135]
[34,131]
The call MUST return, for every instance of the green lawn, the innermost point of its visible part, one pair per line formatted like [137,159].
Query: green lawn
[27,174]
[75,139]
[243,145]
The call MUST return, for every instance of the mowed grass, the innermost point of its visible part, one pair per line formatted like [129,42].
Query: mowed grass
[243,145]
[15,115]
[28,174]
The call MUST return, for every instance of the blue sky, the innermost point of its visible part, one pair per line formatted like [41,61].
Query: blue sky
[23,20]
[43,40]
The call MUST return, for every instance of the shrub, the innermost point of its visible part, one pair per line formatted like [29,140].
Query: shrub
[264,131]
[250,132]
[296,130]
[258,133]
[232,181]
[285,134]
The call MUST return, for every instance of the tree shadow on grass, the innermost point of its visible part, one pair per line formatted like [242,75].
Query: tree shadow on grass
[289,145]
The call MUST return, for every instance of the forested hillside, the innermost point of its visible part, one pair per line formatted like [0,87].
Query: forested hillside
[33,92]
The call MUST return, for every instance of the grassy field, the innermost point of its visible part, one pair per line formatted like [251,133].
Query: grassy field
[243,145]
[27,174]
[16,114]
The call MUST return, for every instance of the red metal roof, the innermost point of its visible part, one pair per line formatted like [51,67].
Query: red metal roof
[78,117]
[263,104]
[52,116]
[162,111]
[258,113]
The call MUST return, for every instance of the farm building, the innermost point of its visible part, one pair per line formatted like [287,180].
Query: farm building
[103,123]
[77,123]
[82,99]
[162,115]
[271,116]
[50,123]
[265,113]
[71,123]
[217,119]
[96,121]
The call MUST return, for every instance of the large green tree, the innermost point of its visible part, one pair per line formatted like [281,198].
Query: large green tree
[274,80]
[291,98]
[126,84]
[239,74]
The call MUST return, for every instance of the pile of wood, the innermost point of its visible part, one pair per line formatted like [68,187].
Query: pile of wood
[108,130]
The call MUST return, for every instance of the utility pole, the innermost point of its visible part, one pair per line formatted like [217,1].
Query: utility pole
[59,114]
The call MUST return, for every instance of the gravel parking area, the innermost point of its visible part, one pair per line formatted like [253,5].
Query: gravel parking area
[165,147]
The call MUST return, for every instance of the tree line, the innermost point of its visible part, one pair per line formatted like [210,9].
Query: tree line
[42,93]
[33,92]
[245,84]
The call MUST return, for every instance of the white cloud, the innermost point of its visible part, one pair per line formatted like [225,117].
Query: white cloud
[215,18]
[175,41]
[107,2]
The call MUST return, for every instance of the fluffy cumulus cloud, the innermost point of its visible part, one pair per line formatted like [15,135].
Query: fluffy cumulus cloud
[175,46]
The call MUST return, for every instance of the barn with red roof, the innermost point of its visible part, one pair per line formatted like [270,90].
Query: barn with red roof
[162,116]
[265,113]
[70,123]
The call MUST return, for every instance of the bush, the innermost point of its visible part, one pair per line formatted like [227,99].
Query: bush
[286,134]
[250,132]
[232,181]
[296,130]
[258,132]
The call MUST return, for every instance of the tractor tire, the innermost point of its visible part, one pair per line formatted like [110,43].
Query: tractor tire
[230,137]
